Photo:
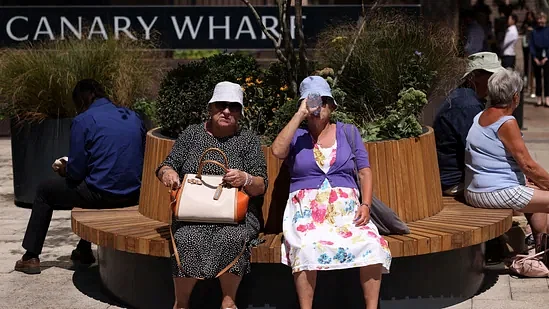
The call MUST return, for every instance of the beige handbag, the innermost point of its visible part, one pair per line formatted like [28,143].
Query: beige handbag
[207,199]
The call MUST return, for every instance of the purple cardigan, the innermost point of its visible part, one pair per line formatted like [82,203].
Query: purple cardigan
[305,173]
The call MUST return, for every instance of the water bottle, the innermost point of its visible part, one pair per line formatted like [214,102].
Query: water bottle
[314,100]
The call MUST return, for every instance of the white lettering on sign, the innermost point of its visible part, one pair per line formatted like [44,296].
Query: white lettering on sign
[147,27]
[245,21]
[187,23]
[98,22]
[43,23]
[10,33]
[226,26]
[217,28]
[292,25]
[67,23]
[271,28]
[125,28]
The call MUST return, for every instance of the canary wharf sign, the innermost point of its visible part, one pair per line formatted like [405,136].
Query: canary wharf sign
[170,27]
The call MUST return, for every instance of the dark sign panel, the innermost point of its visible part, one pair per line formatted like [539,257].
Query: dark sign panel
[171,27]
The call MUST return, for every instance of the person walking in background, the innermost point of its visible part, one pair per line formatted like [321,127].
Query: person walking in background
[500,27]
[474,33]
[539,49]
[508,47]
[526,30]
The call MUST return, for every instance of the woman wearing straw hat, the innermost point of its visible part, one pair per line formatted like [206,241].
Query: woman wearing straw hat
[205,250]
[325,225]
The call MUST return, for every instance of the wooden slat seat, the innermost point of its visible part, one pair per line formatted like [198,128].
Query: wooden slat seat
[456,226]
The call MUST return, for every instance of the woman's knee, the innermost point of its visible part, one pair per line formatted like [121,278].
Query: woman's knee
[538,203]
[372,271]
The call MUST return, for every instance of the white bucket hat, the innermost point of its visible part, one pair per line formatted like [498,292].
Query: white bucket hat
[315,84]
[483,61]
[227,92]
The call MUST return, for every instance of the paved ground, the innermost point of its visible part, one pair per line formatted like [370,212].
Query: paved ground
[60,286]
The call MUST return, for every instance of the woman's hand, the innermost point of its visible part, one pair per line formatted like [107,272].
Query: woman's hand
[362,216]
[170,178]
[537,61]
[235,178]
[304,110]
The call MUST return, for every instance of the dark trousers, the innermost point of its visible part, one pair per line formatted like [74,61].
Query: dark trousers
[526,59]
[58,194]
[508,62]
[538,74]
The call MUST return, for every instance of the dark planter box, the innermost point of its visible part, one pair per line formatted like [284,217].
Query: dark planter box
[34,147]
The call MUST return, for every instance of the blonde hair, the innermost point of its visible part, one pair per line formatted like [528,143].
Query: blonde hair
[541,14]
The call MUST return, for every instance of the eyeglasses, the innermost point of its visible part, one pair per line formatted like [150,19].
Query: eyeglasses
[233,106]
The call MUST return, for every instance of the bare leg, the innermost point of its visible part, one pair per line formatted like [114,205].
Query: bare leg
[183,290]
[229,287]
[370,279]
[539,203]
[538,224]
[305,283]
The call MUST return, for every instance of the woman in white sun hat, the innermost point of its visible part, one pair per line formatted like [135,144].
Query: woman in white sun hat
[326,226]
[205,250]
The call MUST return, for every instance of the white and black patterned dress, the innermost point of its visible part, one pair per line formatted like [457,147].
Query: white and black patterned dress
[206,249]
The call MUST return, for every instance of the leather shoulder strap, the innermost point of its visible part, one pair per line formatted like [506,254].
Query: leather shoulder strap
[224,270]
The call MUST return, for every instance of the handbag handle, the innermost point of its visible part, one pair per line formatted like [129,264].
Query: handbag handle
[201,166]
[529,257]
[216,150]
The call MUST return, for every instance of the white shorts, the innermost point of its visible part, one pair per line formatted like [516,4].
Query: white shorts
[514,198]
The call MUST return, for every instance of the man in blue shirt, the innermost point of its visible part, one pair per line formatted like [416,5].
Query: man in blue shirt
[455,117]
[103,170]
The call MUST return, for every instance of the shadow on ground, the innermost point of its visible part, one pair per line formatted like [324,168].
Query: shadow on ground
[490,279]
[88,282]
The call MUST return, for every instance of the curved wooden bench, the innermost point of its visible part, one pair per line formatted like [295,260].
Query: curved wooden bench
[456,226]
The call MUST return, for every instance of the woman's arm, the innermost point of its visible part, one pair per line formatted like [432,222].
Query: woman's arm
[281,145]
[366,185]
[509,134]
[176,158]
[255,168]
[532,45]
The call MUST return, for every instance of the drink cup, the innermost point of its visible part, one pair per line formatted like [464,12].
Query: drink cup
[314,100]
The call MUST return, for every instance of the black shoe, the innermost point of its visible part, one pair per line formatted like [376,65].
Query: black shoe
[82,256]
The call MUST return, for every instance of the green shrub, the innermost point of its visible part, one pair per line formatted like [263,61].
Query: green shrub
[395,52]
[146,108]
[400,120]
[194,53]
[186,90]
[36,82]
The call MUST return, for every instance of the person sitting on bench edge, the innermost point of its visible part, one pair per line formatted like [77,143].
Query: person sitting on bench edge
[103,170]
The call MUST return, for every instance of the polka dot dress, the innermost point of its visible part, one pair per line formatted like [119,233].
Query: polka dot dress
[206,249]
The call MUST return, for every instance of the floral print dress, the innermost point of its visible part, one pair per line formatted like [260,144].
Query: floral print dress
[318,227]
